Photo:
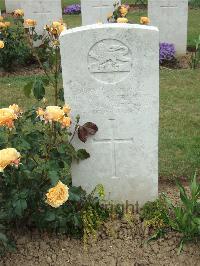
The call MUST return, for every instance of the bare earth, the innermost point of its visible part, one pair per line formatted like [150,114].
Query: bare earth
[119,244]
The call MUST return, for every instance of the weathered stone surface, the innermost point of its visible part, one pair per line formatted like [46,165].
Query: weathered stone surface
[111,78]
[12,5]
[94,11]
[171,17]
[43,11]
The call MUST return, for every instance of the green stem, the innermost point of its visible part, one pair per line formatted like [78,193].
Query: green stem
[56,78]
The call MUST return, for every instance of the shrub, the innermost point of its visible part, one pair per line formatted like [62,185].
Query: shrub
[195,57]
[186,218]
[36,154]
[16,50]
[167,52]
[194,3]
[162,215]
[72,9]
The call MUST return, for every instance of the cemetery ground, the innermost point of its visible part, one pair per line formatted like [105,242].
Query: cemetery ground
[123,242]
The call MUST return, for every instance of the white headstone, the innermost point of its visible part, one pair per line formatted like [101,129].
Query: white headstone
[111,78]
[171,17]
[43,11]
[12,5]
[94,11]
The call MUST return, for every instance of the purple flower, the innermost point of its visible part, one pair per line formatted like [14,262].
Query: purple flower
[167,52]
[72,9]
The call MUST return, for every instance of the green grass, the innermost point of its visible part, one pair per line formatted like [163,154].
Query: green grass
[179,146]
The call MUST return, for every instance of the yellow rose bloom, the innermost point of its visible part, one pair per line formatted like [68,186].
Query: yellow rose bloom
[1,44]
[7,23]
[144,20]
[56,28]
[2,25]
[56,24]
[66,109]
[7,117]
[61,28]
[57,195]
[18,13]
[123,10]
[16,109]
[53,113]
[9,156]
[30,23]
[1,18]
[122,20]
[66,122]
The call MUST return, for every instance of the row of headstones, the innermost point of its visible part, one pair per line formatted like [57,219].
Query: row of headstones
[170,16]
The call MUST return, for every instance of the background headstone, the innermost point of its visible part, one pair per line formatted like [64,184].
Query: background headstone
[111,78]
[12,5]
[171,17]
[43,11]
[94,11]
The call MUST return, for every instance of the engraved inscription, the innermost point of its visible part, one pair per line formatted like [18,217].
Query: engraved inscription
[109,61]
[113,141]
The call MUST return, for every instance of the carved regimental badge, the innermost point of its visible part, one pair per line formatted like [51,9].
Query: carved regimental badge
[109,61]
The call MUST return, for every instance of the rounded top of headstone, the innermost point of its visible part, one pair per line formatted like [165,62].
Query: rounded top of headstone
[109,25]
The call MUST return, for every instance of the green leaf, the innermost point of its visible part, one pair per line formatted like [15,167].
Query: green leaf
[45,81]
[50,216]
[54,177]
[38,89]
[82,154]
[28,88]
[3,237]
[19,206]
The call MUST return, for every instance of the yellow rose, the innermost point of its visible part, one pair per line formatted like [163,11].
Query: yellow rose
[1,44]
[7,23]
[2,25]
[7,117]
[9,156]
[122,20]
[56,28]
[18,13]
[16,109]
[56,24]
[144,20]
[66,109]
[1,18]
[57,195]
[53,113]
[66,122]
[40,113]
[123,10]
[30,23]
[61,28]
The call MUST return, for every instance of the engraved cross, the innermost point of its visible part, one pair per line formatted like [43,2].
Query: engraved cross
[114,141]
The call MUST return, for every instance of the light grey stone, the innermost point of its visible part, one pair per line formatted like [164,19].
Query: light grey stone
[171,17]
[111,78]
[12,5]
[43,11]
[94,11]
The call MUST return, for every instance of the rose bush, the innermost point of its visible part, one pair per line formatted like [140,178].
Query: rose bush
[36,153]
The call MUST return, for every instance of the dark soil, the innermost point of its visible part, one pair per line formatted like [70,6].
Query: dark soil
[118,243]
